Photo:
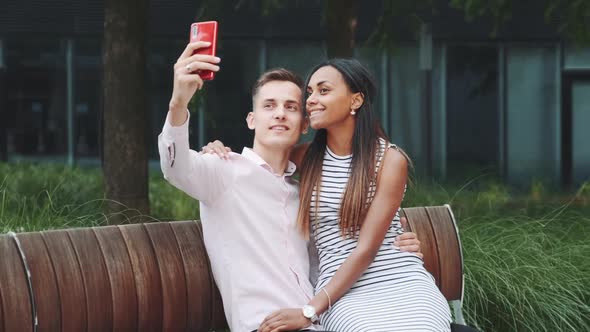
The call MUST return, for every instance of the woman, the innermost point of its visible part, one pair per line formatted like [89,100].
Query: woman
[352,185]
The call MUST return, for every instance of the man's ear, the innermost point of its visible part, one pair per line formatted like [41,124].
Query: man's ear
[357,101]
[250,120]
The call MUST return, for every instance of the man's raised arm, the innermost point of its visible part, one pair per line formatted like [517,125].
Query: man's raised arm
[198,175]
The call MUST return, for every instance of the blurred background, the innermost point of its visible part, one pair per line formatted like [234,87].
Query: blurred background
[490,98]
[507,91]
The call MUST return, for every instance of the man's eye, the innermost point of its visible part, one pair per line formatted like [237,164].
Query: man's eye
[292,108]
[268,106]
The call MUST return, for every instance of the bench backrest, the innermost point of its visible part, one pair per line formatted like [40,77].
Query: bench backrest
[437,231]
[151,277]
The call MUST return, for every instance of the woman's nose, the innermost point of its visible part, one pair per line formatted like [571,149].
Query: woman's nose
[311,100]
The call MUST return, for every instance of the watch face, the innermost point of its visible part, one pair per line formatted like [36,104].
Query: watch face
[308,311]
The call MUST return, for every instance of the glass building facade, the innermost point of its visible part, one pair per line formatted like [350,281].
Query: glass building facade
[518,109]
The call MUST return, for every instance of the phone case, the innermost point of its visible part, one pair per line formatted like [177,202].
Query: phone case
[205,31]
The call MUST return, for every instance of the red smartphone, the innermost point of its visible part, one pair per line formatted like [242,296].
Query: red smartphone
[205,31]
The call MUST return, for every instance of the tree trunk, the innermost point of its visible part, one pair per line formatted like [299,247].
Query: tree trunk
[3,110]
[125,164]
[341,22]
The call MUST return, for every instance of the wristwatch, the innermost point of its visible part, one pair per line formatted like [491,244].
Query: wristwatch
[309,313]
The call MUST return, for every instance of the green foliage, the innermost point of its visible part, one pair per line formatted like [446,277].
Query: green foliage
[210,9]
[525,251]
[501,10]
[572,17]
[169,203]
[583,194]
[412,14]
[40,197]
[533,271]
[50,196]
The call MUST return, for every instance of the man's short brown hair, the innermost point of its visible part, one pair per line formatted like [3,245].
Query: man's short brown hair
[277,74]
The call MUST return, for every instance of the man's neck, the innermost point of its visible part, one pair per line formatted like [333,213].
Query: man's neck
[276,158]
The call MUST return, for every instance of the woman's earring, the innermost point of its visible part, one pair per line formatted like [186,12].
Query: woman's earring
[353,112]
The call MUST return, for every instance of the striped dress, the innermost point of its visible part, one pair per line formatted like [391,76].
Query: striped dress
[395,293]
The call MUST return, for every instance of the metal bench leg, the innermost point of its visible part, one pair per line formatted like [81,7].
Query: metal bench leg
[457,307]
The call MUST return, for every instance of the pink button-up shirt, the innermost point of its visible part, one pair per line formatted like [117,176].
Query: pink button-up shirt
[259,260]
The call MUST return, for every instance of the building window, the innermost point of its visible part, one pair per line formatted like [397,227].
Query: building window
[87,100]
[472,109]
[161,57]
[406,121]
[533,117]
[35,112]
[228,97]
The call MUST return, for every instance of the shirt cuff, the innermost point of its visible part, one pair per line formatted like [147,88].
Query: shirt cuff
[176,132]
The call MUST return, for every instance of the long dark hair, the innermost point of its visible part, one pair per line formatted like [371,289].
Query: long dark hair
[365,145]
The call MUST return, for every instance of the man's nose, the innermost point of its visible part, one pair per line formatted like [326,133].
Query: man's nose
[279,112]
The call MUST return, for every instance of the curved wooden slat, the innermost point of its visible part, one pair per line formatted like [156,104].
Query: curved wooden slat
[155,276]
[174,294]
[1,306]
[16,301]
[69,280]
[147,277]
[198,277]
[218,317]
[420,224]
[1,309]
[218,320]
[99,308]
[120,272]
[408,226]
[451,283]
[47,299]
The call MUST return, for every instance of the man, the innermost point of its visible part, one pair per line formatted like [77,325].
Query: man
[249,202]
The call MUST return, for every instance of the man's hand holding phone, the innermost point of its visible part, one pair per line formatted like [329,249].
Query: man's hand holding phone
[187,80]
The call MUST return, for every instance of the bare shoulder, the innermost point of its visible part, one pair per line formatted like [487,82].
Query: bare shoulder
[394,167]
[298,152]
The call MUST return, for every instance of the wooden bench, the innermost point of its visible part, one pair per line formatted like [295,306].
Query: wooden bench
[155,276]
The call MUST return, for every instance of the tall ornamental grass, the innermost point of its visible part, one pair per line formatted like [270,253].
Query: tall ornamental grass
[526,251]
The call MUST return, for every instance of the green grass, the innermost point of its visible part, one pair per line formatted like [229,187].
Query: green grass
[526,251]
[528,274]
[49,196]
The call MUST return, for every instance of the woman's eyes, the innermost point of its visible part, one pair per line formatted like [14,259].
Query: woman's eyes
[322,91]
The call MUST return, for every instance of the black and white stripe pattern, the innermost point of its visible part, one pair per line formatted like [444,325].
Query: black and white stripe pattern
[395,293]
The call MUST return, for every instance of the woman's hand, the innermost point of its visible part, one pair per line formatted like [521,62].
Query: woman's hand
[217,148]
[284,320]
[408,241]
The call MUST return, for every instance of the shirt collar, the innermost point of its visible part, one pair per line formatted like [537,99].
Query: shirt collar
[253,156]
